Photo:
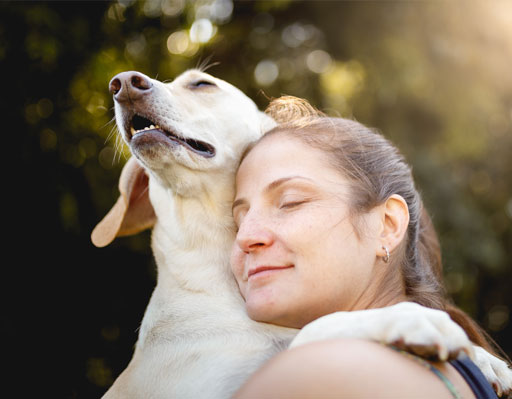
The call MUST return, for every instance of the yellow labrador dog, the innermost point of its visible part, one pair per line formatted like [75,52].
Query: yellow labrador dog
[195,340]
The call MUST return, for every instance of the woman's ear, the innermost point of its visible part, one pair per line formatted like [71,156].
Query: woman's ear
[395,220]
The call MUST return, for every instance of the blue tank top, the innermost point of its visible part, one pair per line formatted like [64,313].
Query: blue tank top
[474,378]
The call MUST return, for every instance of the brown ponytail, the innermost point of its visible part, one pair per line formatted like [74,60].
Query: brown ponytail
[431,251]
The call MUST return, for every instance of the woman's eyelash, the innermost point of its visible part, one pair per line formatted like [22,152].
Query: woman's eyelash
[291,204]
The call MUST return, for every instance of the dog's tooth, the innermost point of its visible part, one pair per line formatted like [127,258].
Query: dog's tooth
[150,127]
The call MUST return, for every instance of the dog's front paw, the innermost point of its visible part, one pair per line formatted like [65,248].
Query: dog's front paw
[496,371]
[425,332]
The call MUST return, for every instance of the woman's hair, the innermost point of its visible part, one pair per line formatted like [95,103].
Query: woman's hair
[376,170]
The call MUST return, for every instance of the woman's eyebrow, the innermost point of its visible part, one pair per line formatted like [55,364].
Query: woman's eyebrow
[276,183]
[270,187]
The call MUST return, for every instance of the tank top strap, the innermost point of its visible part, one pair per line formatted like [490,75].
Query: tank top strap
[474,378]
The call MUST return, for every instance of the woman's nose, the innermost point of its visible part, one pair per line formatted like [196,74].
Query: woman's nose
[253,235]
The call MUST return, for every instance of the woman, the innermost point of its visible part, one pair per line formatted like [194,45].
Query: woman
[329,220]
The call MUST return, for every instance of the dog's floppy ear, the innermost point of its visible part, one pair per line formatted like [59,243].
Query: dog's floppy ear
[132,212]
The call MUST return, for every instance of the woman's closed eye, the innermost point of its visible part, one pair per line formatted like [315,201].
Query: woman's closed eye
[293,204]
[289,203]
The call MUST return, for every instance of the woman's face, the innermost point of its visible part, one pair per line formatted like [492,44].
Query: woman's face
[296,256]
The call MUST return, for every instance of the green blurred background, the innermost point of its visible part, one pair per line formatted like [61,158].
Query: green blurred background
[435,77]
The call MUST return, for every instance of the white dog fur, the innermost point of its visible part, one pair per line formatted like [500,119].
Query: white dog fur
[195,340]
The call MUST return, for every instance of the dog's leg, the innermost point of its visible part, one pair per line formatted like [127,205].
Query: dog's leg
[420,330]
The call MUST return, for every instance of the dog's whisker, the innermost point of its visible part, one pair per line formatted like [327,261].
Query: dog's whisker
[116,145]
[113,131]
[205,64]
[113,120]
[206,67]
[118,152]
[200,63]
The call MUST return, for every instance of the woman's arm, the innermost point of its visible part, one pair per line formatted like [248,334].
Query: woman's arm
[346,368]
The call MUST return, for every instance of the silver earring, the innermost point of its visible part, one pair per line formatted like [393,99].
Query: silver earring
[385,258]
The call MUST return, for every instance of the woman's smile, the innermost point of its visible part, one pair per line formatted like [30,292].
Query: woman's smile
[265,271]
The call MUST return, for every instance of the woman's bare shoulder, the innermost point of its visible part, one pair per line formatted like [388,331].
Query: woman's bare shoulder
[343,368]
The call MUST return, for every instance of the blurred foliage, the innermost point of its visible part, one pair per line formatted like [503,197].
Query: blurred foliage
[434,77]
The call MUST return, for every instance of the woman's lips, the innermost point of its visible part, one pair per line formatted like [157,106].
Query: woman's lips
[261,270]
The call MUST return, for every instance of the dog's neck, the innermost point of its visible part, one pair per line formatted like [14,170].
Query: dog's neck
[193,237]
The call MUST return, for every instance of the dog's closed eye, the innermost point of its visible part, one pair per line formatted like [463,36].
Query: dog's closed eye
[201,83]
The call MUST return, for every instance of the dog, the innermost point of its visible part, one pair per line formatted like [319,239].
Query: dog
[196,340]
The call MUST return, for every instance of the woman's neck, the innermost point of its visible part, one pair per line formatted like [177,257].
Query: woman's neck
[384,290]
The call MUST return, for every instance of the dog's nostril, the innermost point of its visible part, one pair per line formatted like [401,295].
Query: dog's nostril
[140,82]
[115,86]
[130,86]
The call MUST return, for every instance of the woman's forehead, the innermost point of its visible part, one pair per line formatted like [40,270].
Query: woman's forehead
[283,144]
[280,151]
[281,156]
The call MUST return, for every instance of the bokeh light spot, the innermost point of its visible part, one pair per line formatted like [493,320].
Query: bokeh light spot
[98,372]
[201,31]
[318,61]
[221,10]
[136,46]
[294,35]
[172,7]
[152,8]
[266,72]
[178,42]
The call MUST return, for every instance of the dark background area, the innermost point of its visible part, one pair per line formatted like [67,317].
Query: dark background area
[434,77]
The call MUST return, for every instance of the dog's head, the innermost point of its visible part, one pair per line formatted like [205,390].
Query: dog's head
[188,135]
[197,123]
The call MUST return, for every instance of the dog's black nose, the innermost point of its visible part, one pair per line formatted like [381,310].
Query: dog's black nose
[129,85]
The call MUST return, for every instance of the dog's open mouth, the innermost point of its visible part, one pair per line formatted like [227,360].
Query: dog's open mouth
[140,125]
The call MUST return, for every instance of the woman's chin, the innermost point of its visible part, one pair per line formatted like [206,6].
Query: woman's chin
[271,314]
[263,312]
